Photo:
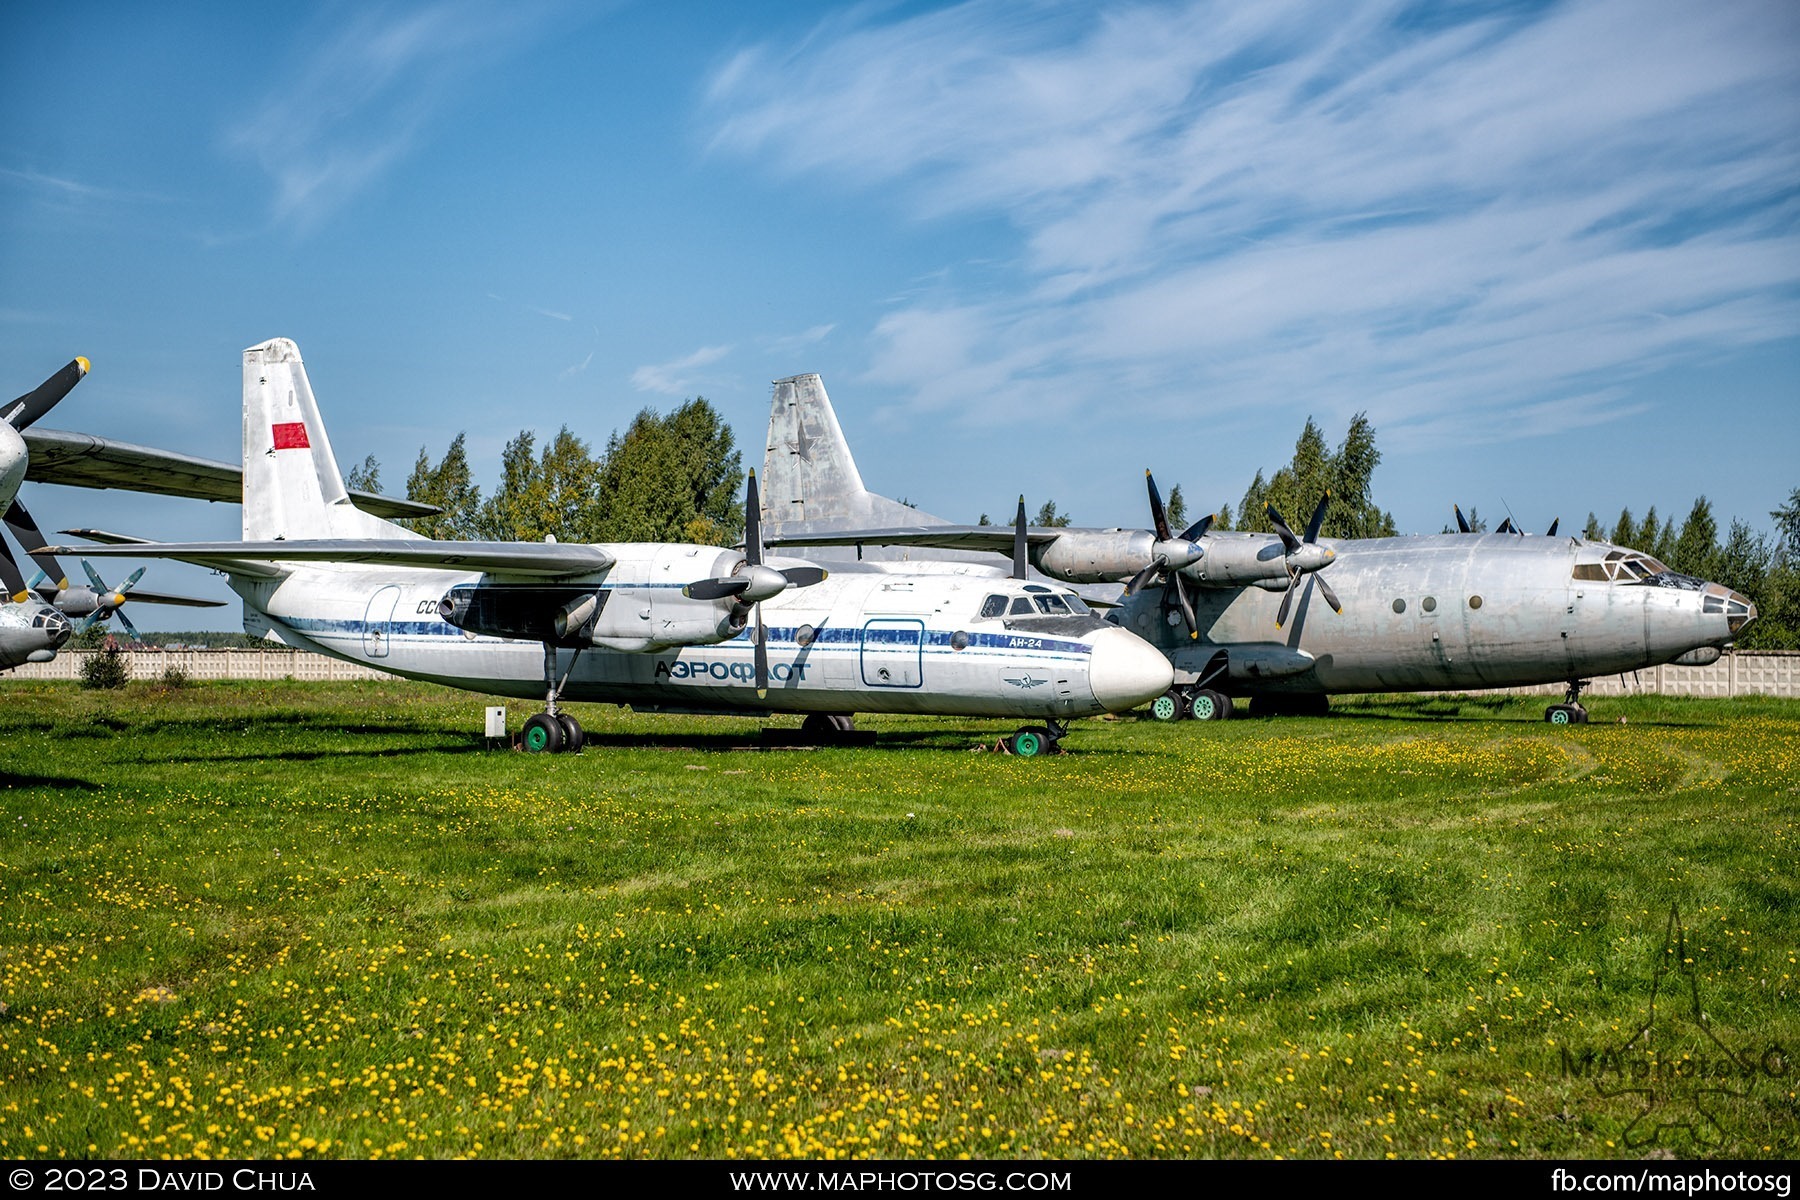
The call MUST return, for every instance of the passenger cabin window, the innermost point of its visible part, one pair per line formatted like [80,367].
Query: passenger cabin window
[994,606]
[1021,607]
[1052,605]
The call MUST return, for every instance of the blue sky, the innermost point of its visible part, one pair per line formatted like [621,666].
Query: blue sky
[1551,249]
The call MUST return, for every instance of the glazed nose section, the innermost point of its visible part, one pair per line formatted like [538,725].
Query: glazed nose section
[1739,612]
[1126,671]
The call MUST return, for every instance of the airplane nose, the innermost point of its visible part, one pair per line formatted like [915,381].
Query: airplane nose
[1125,671]
[1739,612]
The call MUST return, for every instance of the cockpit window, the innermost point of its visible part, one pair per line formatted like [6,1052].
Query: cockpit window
[1625,566]
[1077,605]
[1590,571]
[1021,607]
[1052,605]
[994,606]
[1636,567]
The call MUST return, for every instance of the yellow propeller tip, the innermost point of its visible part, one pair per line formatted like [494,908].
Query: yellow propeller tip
[85,365]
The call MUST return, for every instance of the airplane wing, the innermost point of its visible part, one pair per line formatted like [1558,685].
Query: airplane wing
[140,596]
[84,460]
[546,559]
[997,539]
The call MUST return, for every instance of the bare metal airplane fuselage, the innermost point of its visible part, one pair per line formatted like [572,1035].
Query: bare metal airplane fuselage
[1449,612]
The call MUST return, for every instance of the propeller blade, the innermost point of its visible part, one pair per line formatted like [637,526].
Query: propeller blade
[716,589]
[1158,516]
[1287,600]
[41,399]
[1318,517]
[805,576]
[1187,605]
[1551,532]
[762,656]
[1141,578]
[126,622]
[1020,562]
[753,547]
[1462,522]
[22,527]
[94,576]
[1197,530]
[1289,542]
[10,577]
[1330,596]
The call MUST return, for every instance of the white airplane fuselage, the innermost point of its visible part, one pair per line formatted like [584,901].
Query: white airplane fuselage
[862,642]
[1446,612]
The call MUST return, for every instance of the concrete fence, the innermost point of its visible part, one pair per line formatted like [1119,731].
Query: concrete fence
[149,663]
[1769,672]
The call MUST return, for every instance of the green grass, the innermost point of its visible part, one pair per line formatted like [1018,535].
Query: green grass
[271,919]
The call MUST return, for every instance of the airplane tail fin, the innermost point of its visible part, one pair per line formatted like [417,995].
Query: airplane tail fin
[293,489]
[809,476]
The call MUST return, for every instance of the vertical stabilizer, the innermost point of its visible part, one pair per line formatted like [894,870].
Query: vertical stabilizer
[809,476]
[292,487]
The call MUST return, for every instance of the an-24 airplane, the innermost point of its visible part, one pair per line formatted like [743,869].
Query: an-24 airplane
[657,626]
[1288,619]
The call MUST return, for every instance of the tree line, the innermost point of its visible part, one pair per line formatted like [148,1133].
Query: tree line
[673,478]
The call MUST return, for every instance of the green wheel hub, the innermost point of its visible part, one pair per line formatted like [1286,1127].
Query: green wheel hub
[1164,708]
[1027,744]
[1204,707]
[1560,717]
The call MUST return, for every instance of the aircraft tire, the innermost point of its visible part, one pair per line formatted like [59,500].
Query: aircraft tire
[1566,714]
[1169,707]
[843,722]
[543,734]
[1029,743]
[573,737]
[1208,705]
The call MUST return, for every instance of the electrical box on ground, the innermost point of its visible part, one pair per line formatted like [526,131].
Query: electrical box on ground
[496,722]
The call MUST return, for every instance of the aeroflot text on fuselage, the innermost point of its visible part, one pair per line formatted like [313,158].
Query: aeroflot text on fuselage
[740,671]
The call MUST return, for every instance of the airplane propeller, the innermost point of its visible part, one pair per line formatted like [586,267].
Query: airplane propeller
[752,582]
[1170,554]
[108,602]
[1304,557]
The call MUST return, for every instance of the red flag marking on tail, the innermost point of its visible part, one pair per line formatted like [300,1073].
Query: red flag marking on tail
[291,436]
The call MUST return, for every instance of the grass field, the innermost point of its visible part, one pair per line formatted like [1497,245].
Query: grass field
[290,919]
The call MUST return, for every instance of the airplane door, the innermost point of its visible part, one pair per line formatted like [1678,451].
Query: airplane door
[893,652]
[378,619]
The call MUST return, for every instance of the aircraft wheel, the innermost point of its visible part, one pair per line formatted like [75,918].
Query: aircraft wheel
[843,722]
[819,725]
[1566,714]
[1208,705]
[543,734]
[1170,706]
[1029,743]
[573,737]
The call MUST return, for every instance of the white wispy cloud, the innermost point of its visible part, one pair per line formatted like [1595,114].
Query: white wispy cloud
[672,378]
[346,111]
[576,368]
[799,341]
[1224,206]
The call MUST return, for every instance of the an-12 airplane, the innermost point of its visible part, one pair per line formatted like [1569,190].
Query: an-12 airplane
[676,627]
[1288,619]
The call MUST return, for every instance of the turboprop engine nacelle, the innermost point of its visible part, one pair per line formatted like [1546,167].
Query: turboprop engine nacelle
[1109,555]
[1235,559]
[569,615]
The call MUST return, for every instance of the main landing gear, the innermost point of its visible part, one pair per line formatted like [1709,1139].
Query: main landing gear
[1195,703]
[551,731]
[1034,740]
[1570,711]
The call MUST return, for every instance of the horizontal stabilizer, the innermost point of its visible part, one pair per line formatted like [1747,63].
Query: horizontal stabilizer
[547,559]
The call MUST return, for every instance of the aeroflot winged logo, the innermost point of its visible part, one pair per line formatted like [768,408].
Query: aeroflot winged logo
[1027,682]
[291,435]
